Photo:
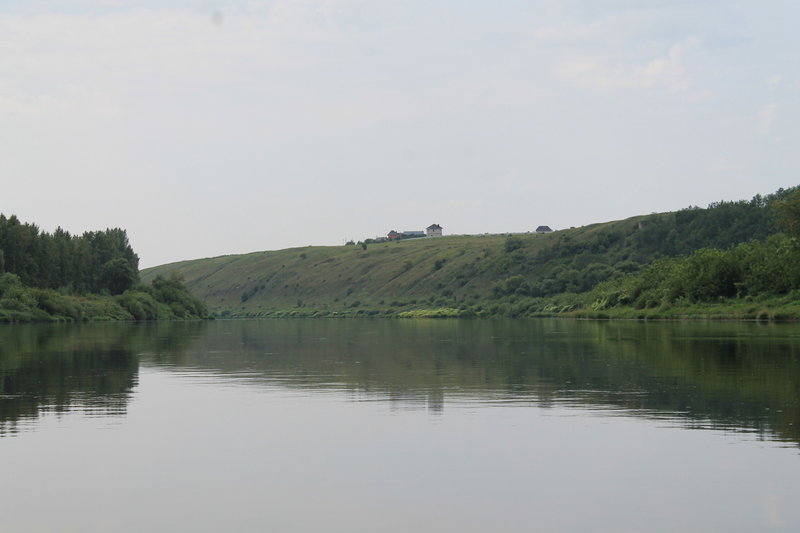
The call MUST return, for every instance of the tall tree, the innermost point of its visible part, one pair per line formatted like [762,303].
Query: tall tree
[788,211]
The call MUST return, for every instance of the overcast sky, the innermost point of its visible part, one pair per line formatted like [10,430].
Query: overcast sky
[206,128]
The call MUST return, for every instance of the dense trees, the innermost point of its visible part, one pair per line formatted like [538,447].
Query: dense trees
[788,212]
[95,262]
[749,269]
[94,276]
[743,255]
[575,264]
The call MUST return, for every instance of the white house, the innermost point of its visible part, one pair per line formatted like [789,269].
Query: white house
[434,230]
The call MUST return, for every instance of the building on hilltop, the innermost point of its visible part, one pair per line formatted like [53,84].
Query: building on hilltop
[544,229]
[434,230]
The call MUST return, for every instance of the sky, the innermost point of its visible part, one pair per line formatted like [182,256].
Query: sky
[206,128]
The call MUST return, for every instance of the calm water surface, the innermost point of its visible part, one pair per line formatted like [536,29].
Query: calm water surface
[390,425]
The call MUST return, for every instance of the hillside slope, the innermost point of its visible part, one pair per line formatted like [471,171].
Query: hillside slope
[467,273]
[387,276]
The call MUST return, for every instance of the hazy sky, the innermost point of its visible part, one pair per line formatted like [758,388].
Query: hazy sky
[207,128]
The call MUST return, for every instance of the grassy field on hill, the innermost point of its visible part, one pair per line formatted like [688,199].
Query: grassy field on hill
[645,266]
[385,278]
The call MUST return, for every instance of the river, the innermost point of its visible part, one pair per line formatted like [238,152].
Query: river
[400,425]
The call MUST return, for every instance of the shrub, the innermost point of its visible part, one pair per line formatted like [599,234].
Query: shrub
[513,242]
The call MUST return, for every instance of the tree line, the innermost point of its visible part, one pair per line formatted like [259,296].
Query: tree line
[94,262]
[94,276]
[752,268]
[576,265]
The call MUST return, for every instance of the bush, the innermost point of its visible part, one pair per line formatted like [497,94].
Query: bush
[513,242]
[56,304]
[140,304]
[8,280]
[166,298]
[510,286]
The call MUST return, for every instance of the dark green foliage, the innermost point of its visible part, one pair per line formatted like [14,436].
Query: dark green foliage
[8,280]
[788,212]
[513,242]
[57,305]
[167,298]
[117,275]
[97,262]
[752,268]
[141,304]
[94,262]
[708,273]
[173,292]
[21,303]
[770,267]
[513,285]
[171,300]
[574,265]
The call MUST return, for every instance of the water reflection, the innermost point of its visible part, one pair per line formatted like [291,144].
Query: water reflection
[738,377]
[91,368]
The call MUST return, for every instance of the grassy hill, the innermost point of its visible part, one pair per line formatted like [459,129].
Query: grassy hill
[386,277]
[511,275]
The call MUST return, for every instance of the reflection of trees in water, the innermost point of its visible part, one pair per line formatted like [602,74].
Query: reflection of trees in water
[727,375]
[87,367]
[734,376]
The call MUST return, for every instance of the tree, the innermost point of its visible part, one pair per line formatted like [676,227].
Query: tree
[117,276]
[788,211]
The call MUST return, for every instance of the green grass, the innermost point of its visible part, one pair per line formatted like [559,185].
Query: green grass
[520,275]
[387,277]
[443,312]
[766,308]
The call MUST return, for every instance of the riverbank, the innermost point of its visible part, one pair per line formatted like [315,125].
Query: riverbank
[764,309]
[163,299]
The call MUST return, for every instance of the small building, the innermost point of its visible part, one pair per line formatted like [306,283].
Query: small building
[413,234]
[434,230]
[393,235]
[544,229]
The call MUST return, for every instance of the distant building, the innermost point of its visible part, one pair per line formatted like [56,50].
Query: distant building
[434,230]
[544,229]
[413,234]
[393,235]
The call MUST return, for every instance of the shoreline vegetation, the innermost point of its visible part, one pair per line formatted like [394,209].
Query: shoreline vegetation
[737,260]
[730,261]
[59,277]
[164,299]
